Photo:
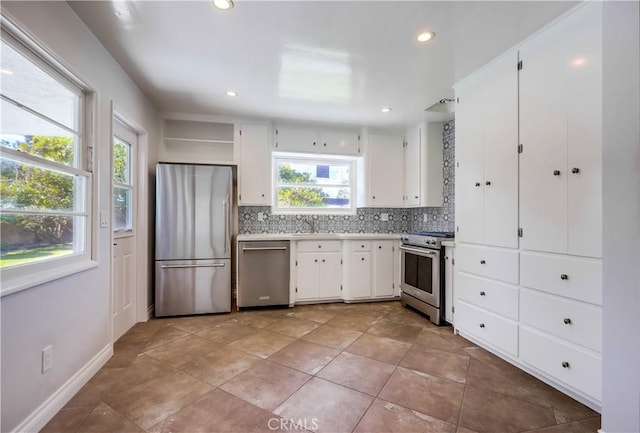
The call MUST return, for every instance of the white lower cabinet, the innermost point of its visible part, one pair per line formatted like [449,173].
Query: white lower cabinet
[500,298]
[493,329]
[370,269]
[318,270]
[577,367]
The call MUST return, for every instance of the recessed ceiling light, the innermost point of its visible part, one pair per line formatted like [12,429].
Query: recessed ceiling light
[223,4]
[5,72]
[386,109]
[232,93]
[426,36]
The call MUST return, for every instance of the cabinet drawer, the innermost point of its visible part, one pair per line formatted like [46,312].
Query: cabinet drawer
[579,368]
[573,277]
[361,246]
[500,264]
[572,320]
[495,330]
[319,246]
[488,294]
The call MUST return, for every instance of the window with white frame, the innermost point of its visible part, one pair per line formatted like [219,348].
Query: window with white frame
[124,139]
[45,184]
[318,184]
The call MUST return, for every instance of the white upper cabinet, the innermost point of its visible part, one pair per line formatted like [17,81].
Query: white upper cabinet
[386,183]
[487,155]
[412,172]
[423,159]
[197,141]
[254,165]
[314,140]
[561,134]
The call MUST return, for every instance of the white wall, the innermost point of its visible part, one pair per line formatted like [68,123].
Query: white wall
[71,314]
[621,170]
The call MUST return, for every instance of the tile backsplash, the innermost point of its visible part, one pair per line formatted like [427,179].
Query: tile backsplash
[366,220]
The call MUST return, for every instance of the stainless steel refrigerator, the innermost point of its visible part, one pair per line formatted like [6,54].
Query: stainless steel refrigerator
[193,239]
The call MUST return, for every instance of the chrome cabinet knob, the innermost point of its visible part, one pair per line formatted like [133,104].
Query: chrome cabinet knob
[362,259]
[564,277]
[482,262]
[556,172]
[488,183]
[477,184]
[565,364]
[567,321]
[575,170]
[482,293]
[482,325]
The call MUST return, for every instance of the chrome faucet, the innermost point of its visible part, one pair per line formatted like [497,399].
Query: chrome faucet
[312,224]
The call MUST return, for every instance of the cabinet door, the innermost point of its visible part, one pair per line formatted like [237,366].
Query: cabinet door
[254,166]
[339,142]
[296,139]
[543,133]
[584,135]
[383,263]
[330,278]
[308,274]
[448,284]
[412,167]
[469,163]
[360,275]
[385,170]
[500,123]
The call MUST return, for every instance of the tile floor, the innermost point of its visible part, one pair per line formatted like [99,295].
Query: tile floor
[374,367]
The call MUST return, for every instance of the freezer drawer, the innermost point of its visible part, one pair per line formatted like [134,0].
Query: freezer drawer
[263,273]
[193,287]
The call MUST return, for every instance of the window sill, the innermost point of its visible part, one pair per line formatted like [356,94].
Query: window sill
[27,282]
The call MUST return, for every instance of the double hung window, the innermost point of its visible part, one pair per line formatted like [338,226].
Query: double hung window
[45,178]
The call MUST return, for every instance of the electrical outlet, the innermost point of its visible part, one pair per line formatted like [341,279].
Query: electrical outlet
[384,217]
[47,358]
[260,216]
[425,218]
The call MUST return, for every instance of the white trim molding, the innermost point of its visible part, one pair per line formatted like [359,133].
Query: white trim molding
[52,405]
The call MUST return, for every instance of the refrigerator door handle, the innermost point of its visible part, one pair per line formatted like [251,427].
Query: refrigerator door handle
[227,217]
[213,265]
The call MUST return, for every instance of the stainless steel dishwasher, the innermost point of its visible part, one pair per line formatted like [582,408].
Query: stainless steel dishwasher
[263,273]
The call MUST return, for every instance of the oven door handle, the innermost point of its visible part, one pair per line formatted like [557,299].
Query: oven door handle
[419,251]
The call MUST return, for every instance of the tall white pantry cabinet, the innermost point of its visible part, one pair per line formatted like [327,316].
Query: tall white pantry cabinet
[529,205]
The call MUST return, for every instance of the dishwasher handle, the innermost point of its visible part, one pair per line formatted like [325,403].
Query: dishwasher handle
[264,248]
[213,265]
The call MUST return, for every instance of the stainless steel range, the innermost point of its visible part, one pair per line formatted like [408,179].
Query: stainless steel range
[422,281]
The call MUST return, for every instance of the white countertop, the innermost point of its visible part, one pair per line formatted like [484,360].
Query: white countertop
[315,236]
[450,243]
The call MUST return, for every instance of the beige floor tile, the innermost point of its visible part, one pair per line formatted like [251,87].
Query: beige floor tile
[436,362]
[67,420]
[356,320]
[103,419]
[217,411]
[487,412]
[464,430]
[152,401]
[357,372]
[311,313]
[379,348]
[410,317]
[571,427]
[220,365]
[436,340]
[226,332]
[181,351]
[305,356]
[385,417]
[98,387]
[395,331]
[434,396]
[292,327]
[337,338]
[262,343]
[266,384]
[482,376]
[193,324]
[258,319]
[323,403]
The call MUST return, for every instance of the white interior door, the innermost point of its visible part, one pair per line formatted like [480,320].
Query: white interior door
[123,217]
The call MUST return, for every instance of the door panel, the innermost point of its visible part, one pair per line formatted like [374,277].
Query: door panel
[543,133]
[383,262]
[307,276]
[124,286]
[330,277]
[193,287]
[385,167]
[360,275]
[412,164]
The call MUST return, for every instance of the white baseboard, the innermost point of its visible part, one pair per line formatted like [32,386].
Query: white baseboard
[51,406]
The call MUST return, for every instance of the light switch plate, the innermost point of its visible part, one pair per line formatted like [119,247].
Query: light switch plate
[384,217]
[104,219]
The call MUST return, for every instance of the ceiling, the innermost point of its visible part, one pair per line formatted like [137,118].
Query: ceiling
[323,61]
